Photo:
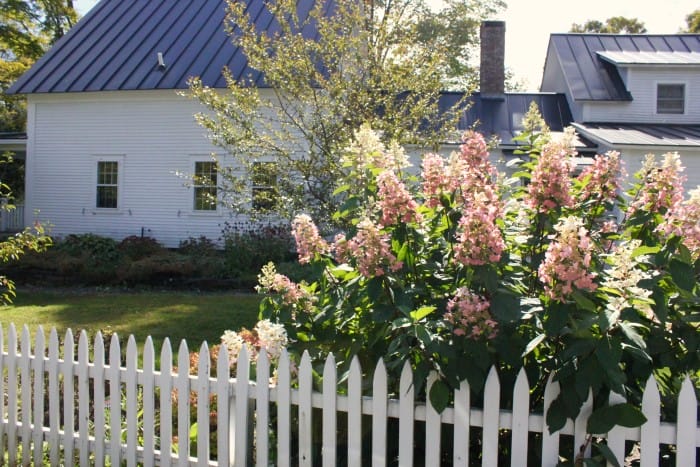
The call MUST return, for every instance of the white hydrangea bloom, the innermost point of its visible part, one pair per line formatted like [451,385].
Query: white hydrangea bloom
[624,275]
[272,337]
[234,343]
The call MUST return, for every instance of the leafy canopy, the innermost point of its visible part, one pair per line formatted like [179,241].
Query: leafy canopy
[378,62]
[613,25]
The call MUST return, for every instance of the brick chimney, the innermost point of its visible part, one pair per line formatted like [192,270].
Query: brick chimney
[492,71]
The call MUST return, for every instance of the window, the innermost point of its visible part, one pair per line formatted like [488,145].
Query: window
[670,98]
[264,181]
[204,186]
[107,184]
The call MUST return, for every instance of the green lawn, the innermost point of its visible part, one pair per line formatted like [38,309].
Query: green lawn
[196,317]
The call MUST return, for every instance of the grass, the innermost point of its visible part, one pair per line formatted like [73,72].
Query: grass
[196,317]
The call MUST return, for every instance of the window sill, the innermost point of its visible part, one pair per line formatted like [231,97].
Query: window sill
[107,212]
[202,214]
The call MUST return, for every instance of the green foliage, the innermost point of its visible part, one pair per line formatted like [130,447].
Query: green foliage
[379,62]
[247,247]
[613,25]
[135,247]
[461,270]
[693,22]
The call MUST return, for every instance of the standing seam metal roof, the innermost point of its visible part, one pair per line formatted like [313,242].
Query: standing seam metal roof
[590,77]
[115,46]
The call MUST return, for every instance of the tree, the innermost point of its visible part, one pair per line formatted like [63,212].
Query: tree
[613,25]
[381,63]
[27,29]
[693,22]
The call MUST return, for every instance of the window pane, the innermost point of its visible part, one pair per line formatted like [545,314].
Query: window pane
[204,186]
[264,181]
[107,173]
[106,196]
[670,98]
[205,198]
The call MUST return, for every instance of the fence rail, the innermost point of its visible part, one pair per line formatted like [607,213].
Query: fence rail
[63,408]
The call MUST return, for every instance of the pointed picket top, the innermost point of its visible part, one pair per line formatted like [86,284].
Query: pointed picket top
[165,382]
[12,340]
[99,348]
[68,345]
[379,418]
[406,421]
[329,417]
[223,367]
[182,386]
[550,442]
[131,400]
[521,412]
[25,341]
[204,359]
[183,357]
[305,411]
[581,427]
[39,393]
[83,349]
[115,352]
[651,431]
[53,438]
[83,397]
[432,426]
[284,401]
[131,350]
[462,423]
[240,450]
[203,371]
[355,413]
[149,406]
[262,408]
[99,395]
[26,393]
[492,407]
[686,424]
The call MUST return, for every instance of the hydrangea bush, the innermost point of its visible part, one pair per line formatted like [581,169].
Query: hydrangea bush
[461,268]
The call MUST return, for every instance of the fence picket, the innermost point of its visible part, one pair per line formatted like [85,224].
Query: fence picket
[616,436]
[284,403]
[379,415]
[580,428]
[492,394]
[182,386]
[132,423]
[330,418]
[68,398]
[83,399]
[686,425]
[222,407]
[550,442]
[203,404]
[149,408]
[240,424]
[521,413]
[462,422]
[165,384]
[39,391]
[407,410]
[115,401]
[54,403]
[98,385]
[12,397]
[305,410]
[3,387]
[355,414]
[262,410]
[650,435]
[432,427]
[26,394]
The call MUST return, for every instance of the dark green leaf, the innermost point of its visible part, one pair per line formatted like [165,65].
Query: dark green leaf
[505,306]
[555,416]
[584,302]
[603,420]
[682,274]
[439,395]
[605,451]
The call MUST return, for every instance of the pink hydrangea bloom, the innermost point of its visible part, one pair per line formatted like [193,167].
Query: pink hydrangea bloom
[662,187]
[550,184]
[434,179]
[395,202]
[479,240]
[567,261]
[308,241]
[370,250]
[603,178]
[269,281]
[469,315]
[684,220]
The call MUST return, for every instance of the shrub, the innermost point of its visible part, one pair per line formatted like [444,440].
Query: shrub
[90,246]
[464,270]
[197,247]
[247,247]
[135,247]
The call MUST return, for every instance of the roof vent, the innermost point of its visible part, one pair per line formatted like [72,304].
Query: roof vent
[161,61]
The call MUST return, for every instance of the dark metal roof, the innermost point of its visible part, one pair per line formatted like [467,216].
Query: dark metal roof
[636,134]
[502,116]
[116,46]
[590,77]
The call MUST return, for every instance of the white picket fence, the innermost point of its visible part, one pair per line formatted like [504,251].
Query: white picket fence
[127,414]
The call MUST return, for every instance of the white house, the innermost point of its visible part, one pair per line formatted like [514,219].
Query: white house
[108,129]
[634,93]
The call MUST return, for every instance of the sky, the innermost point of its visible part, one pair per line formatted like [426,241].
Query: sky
[530,22]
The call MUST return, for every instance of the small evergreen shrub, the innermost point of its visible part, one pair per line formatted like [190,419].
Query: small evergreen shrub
[248,247]
[135,247]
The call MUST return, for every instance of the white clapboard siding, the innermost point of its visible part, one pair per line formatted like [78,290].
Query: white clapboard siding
[93,393]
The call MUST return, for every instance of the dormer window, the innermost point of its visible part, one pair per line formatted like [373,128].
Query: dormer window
[670,98]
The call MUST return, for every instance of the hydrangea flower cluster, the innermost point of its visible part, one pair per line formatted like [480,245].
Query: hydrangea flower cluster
[550,183]
[603,178]
[367,151]
[266,334]
[662,187]
[684,220]
[395,202]
[567,262]
[370,249]
[269,281]
[479,240]
[624,276]
[434,180]
[308,241]
[272,337]
[469,314]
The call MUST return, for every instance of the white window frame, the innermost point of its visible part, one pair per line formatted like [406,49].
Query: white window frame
[119,160]
[683,85]
[193,160]
[255,187]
